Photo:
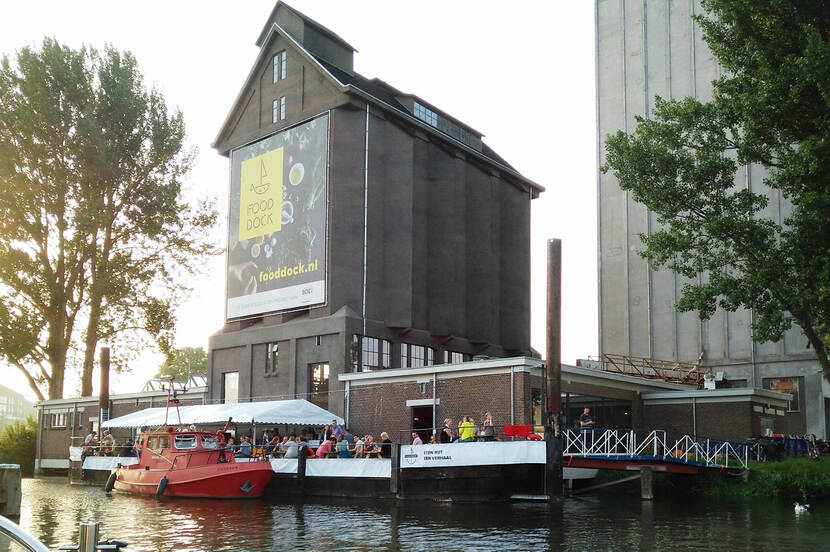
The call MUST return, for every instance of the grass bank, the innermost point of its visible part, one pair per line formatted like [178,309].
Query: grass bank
[792,479]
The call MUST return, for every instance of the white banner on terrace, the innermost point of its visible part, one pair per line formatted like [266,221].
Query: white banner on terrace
[349,467]
[108,462]
[284,465]
[76,454]
[473,454]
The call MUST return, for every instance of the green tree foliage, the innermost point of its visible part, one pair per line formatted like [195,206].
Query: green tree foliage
[184,361]
[771,107]
[96,238]
[17,445]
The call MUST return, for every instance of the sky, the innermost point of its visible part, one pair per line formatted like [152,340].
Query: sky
[522,73]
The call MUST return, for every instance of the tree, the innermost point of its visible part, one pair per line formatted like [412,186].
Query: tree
[18,444]
[771,107]
[94,228]
[183,362]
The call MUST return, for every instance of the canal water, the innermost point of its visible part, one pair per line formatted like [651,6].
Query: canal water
[52,510]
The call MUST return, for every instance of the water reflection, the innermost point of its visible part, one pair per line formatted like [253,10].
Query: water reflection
[52,510]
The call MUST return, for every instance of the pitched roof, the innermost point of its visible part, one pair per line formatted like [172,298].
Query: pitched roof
[373,90]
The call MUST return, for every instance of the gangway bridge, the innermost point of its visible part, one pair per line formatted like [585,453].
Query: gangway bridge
[625,449]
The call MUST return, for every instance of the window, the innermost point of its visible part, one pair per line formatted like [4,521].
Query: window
[278,110]
[318,340]
[426,115]
[319,384]
[185,441]
[209,441]
[536,403]
[373,353]
[415,356]
[279,66]
[58,420]
[272,352]
[230,387]
[453,357]
[386,357]
[785,385]
[369,352]
[158,442]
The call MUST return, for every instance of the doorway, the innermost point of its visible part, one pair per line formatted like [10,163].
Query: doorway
[422,422]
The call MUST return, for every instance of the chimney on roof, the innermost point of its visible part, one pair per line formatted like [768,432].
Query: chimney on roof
[317,39]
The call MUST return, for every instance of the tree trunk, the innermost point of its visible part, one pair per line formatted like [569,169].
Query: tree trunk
[817,343]
[57,356]
[91,344]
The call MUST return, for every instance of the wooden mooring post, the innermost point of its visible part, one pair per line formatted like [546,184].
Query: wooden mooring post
[553,374]
[10,491]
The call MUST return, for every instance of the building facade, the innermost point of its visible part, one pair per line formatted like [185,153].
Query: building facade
[66,422]
[402,240]
[648,48]
[13,406]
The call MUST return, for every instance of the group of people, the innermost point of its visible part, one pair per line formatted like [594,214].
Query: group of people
[334,440]
[465,432]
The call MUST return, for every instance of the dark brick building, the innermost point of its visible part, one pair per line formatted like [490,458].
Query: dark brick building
[402,239]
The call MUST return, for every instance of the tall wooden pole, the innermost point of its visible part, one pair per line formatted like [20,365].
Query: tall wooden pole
[553,373]
[104,393]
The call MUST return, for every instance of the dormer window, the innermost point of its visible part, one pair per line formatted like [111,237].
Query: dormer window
[279,66]
[426,115]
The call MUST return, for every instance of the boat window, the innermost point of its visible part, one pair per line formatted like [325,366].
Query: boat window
[158,442]
[209,441]
[185,441]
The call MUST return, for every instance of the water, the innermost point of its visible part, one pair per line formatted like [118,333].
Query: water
[52,511]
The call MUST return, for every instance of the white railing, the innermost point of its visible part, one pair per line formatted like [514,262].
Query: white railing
[655,445]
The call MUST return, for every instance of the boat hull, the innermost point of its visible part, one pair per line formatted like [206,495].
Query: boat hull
[228,480]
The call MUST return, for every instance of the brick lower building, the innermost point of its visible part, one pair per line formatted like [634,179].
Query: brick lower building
[65,422]
[512,390]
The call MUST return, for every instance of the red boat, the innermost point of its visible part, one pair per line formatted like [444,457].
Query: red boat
[187,463]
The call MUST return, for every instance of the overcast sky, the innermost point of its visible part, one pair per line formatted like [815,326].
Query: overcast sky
[520,72]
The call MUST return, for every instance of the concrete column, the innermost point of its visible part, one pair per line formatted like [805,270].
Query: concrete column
[646,483]
[10,492]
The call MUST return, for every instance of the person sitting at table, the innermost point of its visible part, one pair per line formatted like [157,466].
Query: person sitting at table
[325,448]
[385,445]
[245,448]
[370,447]
[466,430]
[359,449]
[343,448]
[290,449]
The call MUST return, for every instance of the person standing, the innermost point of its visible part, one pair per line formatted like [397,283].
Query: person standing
[416,439]
[585,421]
[487,427]
[336,429]
[385,445]
[446,435]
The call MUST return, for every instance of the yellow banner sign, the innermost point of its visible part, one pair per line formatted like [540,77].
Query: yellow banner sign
[260,208]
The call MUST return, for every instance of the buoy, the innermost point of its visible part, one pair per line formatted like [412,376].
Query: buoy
[162,486]
[110,483]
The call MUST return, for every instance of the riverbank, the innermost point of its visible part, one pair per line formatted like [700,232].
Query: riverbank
[793,479]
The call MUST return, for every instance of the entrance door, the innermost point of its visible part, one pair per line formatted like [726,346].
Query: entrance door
[422,422]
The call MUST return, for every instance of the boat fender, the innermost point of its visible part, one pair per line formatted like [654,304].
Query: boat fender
[110,482]
[162,486]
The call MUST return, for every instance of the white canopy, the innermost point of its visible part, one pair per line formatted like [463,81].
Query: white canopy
[296,412]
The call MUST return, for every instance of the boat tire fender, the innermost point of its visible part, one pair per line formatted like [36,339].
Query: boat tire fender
[110,482]
[162,486]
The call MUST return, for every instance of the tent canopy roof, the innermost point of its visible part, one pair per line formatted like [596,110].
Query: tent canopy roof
[290,412]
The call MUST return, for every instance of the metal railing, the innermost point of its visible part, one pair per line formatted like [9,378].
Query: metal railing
[655,445]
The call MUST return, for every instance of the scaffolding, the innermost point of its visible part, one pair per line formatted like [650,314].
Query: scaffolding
[686,373]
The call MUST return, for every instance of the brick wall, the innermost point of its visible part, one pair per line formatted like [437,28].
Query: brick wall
[725,421]
[382,407]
